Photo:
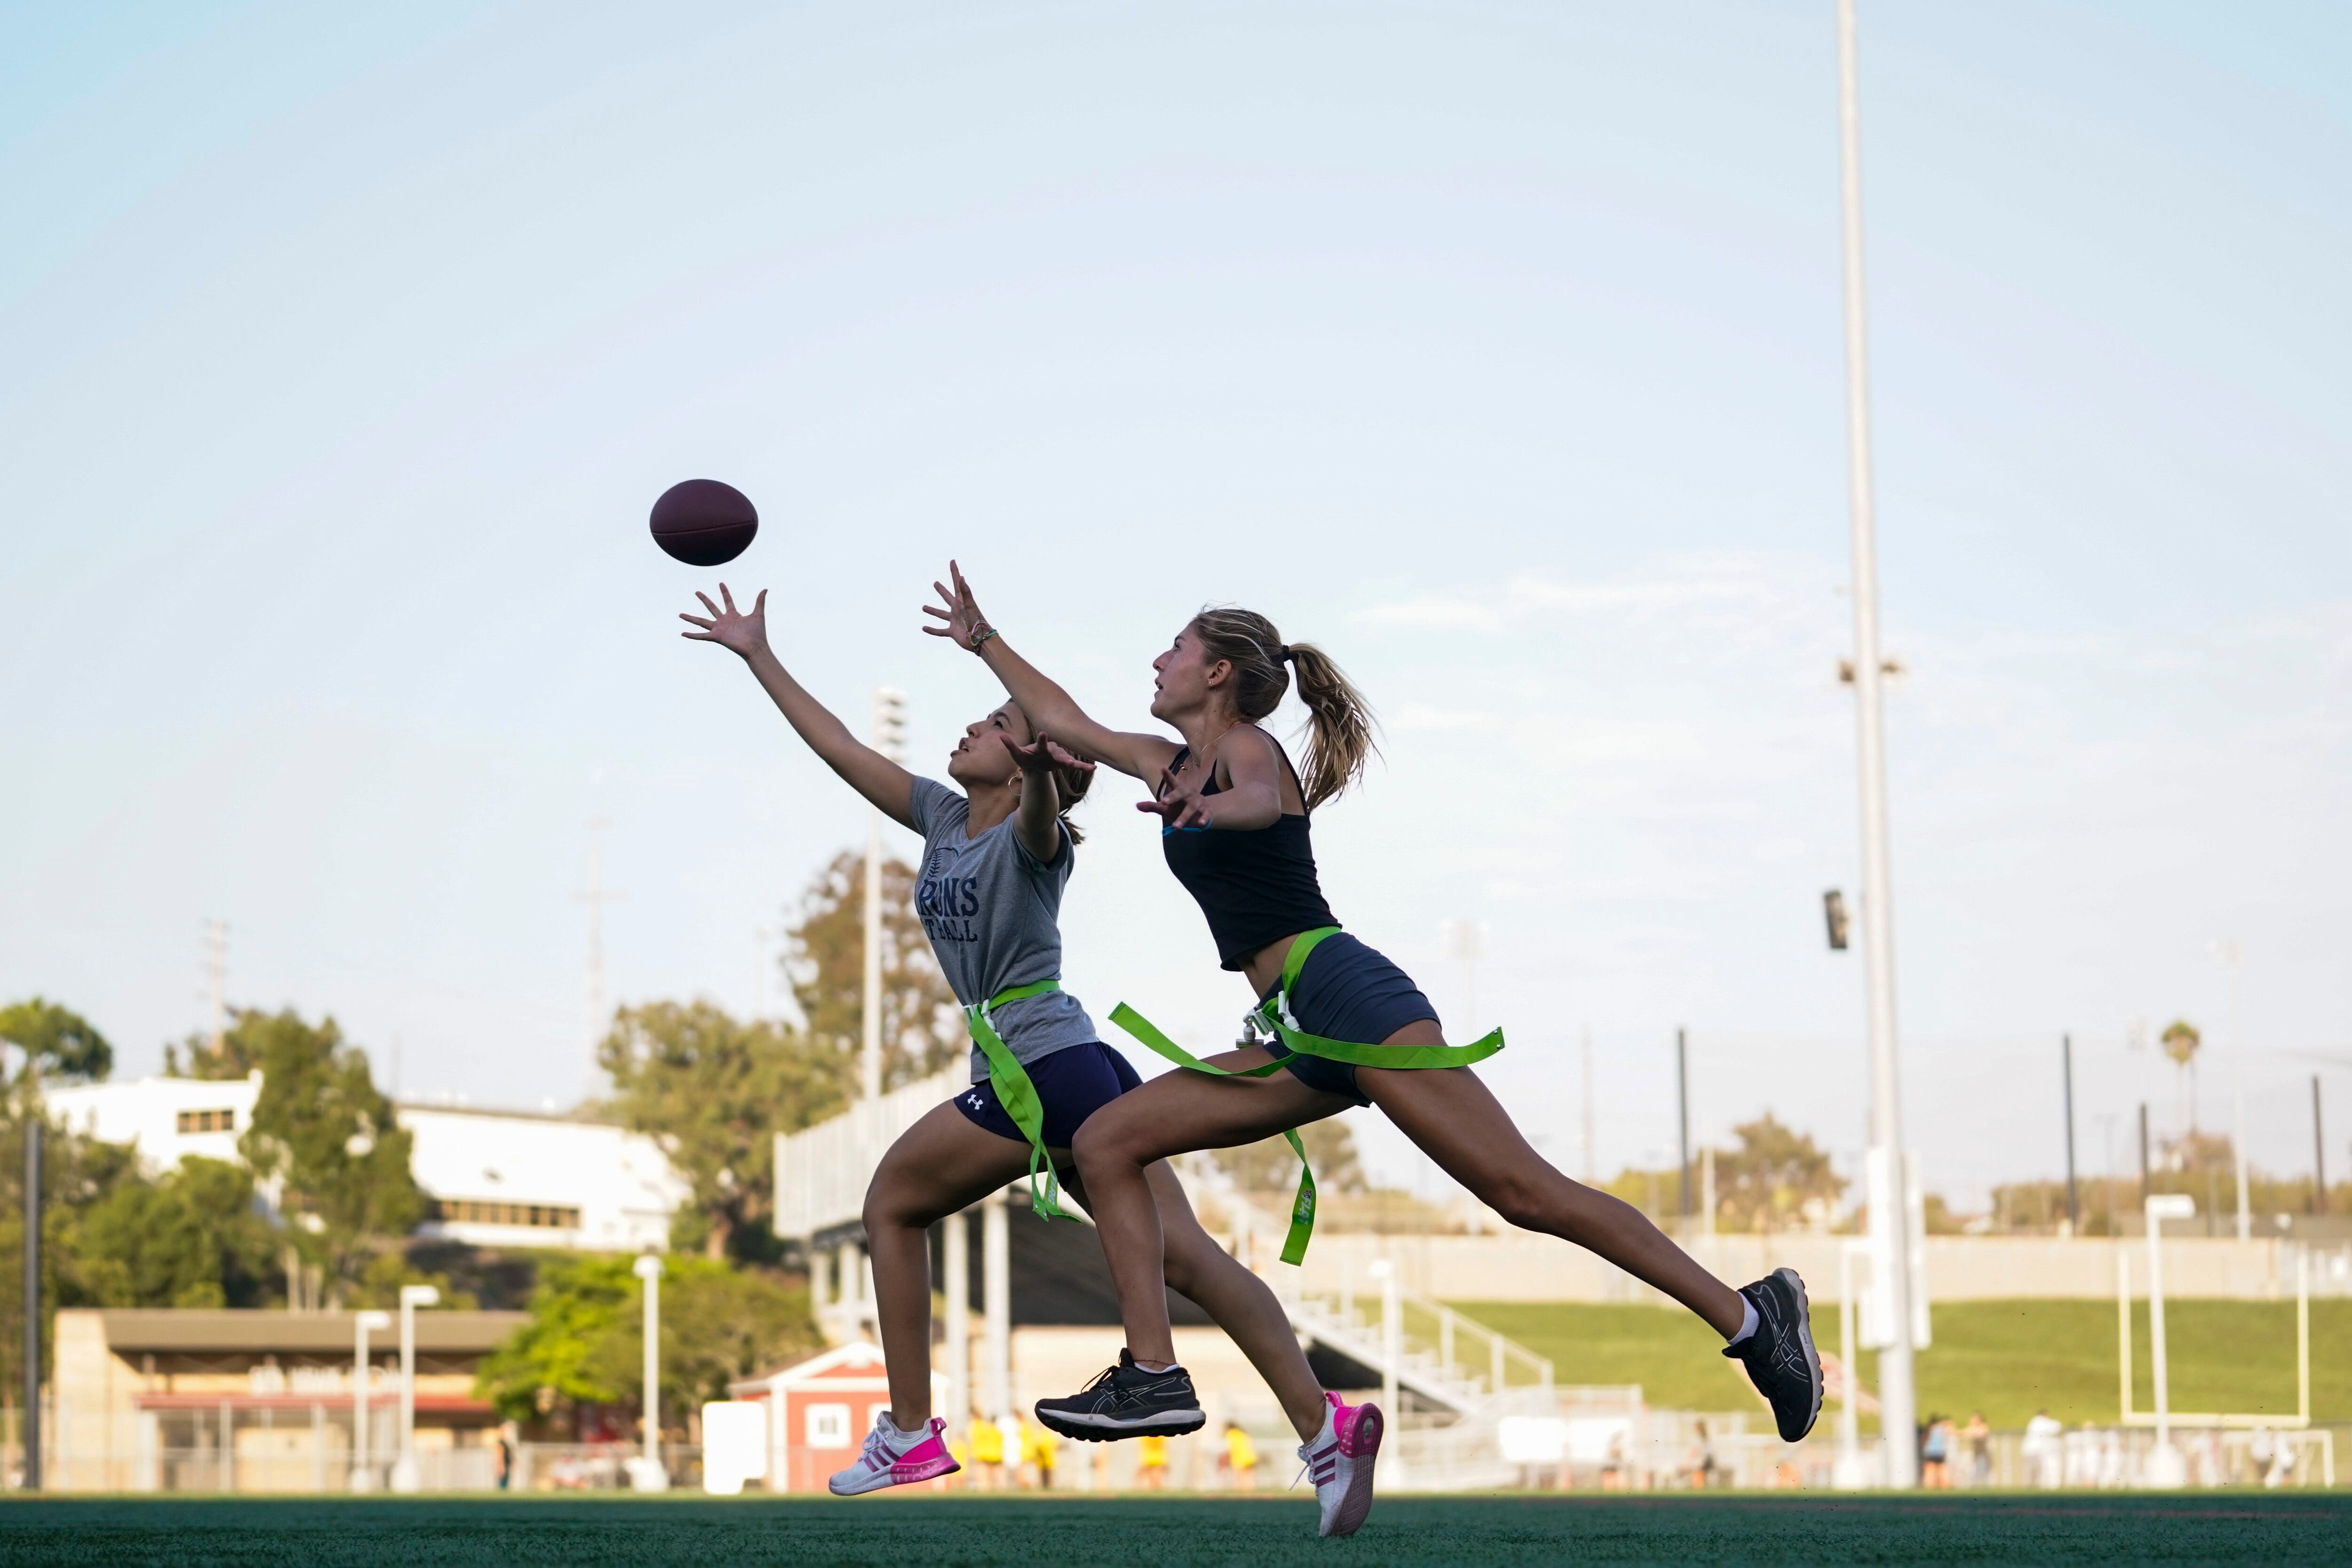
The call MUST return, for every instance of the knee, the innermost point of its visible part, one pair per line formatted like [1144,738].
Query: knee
[888,1209]
[1524,1204]
[1099,1143]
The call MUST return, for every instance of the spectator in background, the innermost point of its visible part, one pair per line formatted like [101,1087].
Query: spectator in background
[1936,1454]
[1151,1462]
[1039,1448]
[1979,1437]
[1240,1458]
[2041,1450]
[987,1453]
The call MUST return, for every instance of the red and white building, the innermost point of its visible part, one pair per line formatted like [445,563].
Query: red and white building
[820,1409]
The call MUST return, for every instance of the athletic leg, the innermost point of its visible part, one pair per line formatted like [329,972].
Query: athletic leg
[1241,1303]
[1174,1114]
[1456,1119]
[940,1166]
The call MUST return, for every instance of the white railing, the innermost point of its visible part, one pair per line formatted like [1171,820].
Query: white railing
[821,1174]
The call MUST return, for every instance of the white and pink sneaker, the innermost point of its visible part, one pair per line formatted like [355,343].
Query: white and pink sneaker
[895,1459]
[1339,1461]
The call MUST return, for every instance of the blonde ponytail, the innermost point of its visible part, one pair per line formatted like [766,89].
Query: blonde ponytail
[1339,722]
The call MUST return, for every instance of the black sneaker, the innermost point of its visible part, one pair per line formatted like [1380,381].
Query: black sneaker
[1126,1402]
[1779,1355]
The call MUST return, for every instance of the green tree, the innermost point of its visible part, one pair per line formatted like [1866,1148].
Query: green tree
[323,1137]
[922,1029]
[192,1238]
[584,1342]
[77,1174]
[714,1092]
[1270,1166]
[57,1042]
[1765,1183]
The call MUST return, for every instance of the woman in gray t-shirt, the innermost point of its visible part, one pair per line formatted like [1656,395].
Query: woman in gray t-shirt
[995,859]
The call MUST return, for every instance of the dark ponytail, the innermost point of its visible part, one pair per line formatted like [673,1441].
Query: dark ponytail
[1339,724]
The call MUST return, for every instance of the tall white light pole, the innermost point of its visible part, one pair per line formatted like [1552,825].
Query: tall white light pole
[362,1324]
[2230,952]
[1895,1401]
[651,1477]
[403,1469]
[889,738]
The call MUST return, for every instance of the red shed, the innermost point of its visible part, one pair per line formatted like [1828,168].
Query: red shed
[820,1409]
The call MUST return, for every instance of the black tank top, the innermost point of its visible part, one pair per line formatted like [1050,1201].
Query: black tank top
[1255,886]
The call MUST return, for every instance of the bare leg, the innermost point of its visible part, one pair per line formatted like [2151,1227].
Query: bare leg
[1458,1122]
[1241,1303]
[1173,1114]
[940,1166]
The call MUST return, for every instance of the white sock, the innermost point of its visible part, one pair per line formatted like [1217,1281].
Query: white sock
[1746,1323]
[1158,1370]
[895,1429]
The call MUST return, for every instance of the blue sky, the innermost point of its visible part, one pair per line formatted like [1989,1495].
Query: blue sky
[1494,347]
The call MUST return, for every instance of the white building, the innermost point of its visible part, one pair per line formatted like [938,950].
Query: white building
[495,1178]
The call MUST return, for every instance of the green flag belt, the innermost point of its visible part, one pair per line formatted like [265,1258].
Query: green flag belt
[1272,1020]
[1017,1094]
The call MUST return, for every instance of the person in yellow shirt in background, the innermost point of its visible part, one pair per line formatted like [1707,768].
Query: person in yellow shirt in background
[1151,1462]
[987,1453]
[1241,1457]
[1038,1448]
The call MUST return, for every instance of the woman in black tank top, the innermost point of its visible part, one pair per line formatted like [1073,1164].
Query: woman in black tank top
[1233,817]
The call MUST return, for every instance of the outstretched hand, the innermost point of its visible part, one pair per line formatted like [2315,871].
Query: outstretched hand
[960,610]
[1179,805]
[1042,754]
[742,631]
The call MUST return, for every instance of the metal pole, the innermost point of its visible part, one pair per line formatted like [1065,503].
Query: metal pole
[2230,954]
[649,1269]
[1896,1405]
[888,730]
[362,1371]
[2144,1189]
[403,1469]
[2156,1326]
[2073,1201]
[32,1299]
[1682,1124]
[2318,1153]
[956,1265]
[996,1302]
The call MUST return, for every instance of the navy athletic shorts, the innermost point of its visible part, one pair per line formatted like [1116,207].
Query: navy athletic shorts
[1346,991]
[1072,1085]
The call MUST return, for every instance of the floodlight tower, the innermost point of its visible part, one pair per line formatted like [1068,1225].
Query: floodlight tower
[1897,1402]
[889,738]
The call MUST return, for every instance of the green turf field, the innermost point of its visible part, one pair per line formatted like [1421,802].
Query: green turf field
[937,1533]
[2005,1358]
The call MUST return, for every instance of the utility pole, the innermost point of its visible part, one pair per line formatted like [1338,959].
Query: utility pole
[889,738]
[1682,1124]
[2318,1153]
[595,895]
[2074,1202]
[1897,1405]
[2144,1188]
[2229,954]
[405,1478]
[650,1475]
[32,1299]
[1584,1041]
[1468,941]
[215,985]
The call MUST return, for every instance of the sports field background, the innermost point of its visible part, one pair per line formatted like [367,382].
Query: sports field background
[934,1532]
[2006,1359]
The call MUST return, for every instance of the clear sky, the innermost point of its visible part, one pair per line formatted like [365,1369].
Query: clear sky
[1494,347]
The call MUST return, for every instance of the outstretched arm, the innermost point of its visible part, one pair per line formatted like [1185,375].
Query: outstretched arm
[881,781]
[1036,824]
[1048,707]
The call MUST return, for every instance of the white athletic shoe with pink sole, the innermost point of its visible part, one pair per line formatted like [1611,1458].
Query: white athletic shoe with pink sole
[895,1459]
[1339,1461]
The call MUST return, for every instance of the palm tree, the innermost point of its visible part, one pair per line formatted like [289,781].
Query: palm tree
[2180,1040]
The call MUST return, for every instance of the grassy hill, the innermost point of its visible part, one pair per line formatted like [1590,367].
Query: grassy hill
[2006,1359]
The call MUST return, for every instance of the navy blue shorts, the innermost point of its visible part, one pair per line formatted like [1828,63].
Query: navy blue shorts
[1072,1084]
[1346,991]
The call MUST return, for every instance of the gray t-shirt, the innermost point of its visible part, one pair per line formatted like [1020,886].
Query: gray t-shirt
[990,910]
